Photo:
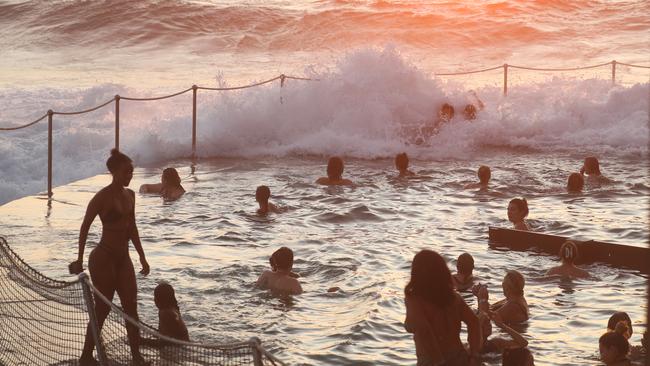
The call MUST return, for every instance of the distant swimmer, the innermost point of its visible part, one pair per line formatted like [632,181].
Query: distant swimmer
[464,279]
[575,183]
[514,308]
[517,212]
[281,279]
[591,168]
[262,195]
[568,255]
[434,312]
[513,350]
[470,110]
[402,165]
[484,174]
[111,269]
[334,174]
[169,188]
[170,322]
[614,347]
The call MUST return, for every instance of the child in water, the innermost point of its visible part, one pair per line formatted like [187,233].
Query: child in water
[281,278]
[262,195]
[591,168]
[614,347]
[170,322]
[575,183]
[334,174]
[517,212]
[568,255]
[402,165]
[463,279]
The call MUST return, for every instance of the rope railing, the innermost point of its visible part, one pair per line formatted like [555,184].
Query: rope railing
[282,78]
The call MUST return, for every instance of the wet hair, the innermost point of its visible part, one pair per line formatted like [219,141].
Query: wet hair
[446,112]
[517,282]
[569,251]
[335,168]
[402,161]
[282,259]
[516,356]
[617,317]
[484,174]
[469,112]
[592,165]
[262,194]
[171,175]
[164,296]
[575,183]
[430,279]
[522,204]
[116,160]
[465,263]
[616,339]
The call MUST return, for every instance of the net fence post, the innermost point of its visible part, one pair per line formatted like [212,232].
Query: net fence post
[92,318]
[49,152]
[505,79]
[117,122]
[194,89]
[613,72]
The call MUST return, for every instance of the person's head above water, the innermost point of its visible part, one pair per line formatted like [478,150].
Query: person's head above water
[569,252]
[164,296]
[469,112]
[430,279]
[446,112]
[613,345]
[513,284]
[121,167]
[402,162]
[575,183]
[484,174]
[465,264]
[282,259]
[591,166]
[617,317]
[517,209]
[517,357]
[262,194]
[170,178]
[335,168]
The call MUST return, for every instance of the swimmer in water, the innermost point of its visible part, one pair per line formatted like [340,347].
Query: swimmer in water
[514,308]
[575,183]
[334,174]
[169,188]
[484,174]
[262,195]
[568,255]
[170,322]
[591,168]
[517,212]
[111,269]
[614,347]
[470,110]
[402,165]
[280,278]
[463,279]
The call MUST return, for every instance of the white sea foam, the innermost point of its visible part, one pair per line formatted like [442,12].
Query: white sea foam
[360,108]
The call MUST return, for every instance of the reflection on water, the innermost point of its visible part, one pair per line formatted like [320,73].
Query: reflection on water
[211,246]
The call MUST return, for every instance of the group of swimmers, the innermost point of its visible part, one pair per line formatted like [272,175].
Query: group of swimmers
[434,309]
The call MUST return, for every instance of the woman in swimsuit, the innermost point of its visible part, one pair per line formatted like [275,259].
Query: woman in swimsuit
[517,212]
[169,188]
[111,269]
[514,308]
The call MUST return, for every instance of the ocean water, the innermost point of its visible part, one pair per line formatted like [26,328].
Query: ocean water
[377,66]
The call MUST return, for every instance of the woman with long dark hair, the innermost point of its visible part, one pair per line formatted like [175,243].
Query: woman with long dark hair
[111,269]
[434,312]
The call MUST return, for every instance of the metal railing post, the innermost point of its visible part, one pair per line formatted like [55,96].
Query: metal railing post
[92,318]
[117,122]
[613,72]
[194,89]
[50,113]
[505,79]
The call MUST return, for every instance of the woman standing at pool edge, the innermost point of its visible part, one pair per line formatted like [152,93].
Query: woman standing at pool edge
[109,263]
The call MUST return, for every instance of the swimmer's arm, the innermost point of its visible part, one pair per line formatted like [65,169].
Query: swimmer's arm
[135,239]
[322,180]
[91,212]
[518,341]
[473,328]
[262,281]
[297,289]
[151,188]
